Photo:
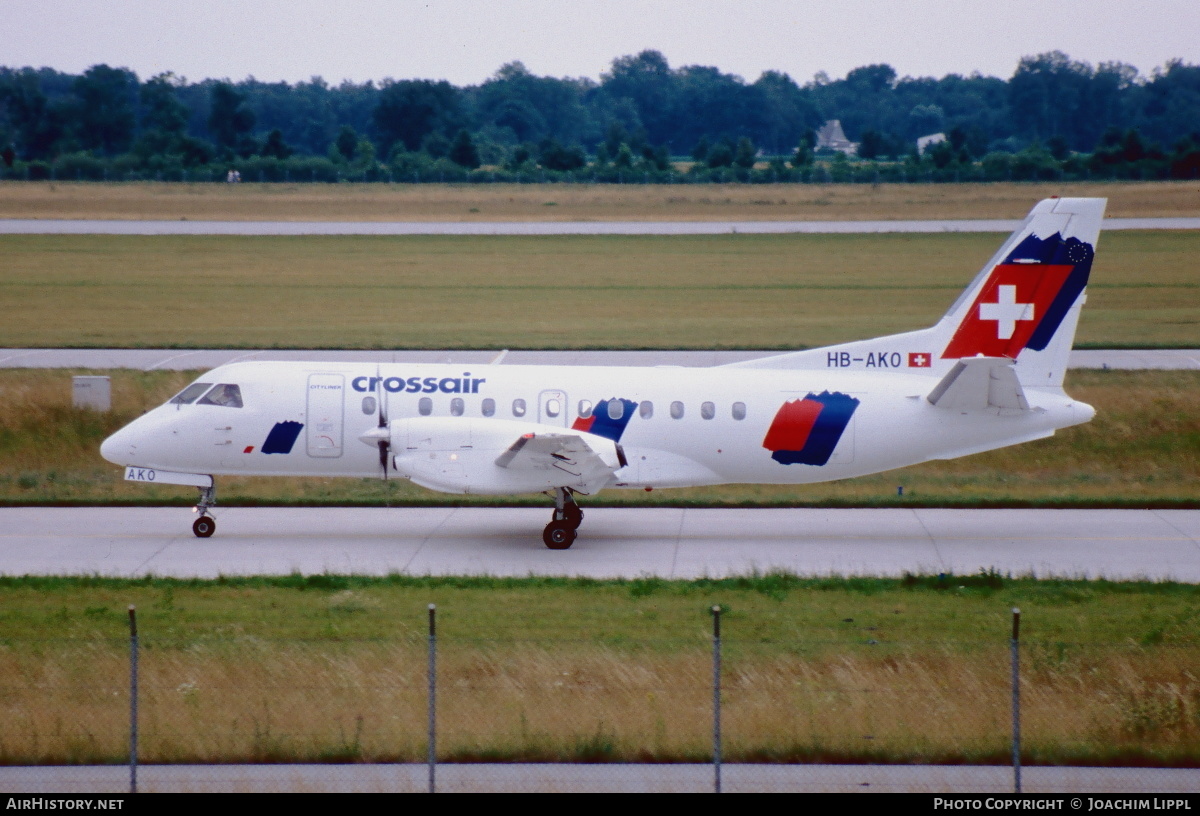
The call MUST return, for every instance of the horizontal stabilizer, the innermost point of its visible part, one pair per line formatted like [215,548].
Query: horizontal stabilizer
[980,383]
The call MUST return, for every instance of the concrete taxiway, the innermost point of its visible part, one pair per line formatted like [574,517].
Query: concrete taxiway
[203,359]
[49,226]
[613,542]
[602,778]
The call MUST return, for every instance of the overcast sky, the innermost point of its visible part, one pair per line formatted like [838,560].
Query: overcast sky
[465,41]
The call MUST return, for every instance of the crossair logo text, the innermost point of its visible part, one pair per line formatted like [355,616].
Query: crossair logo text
[466,384]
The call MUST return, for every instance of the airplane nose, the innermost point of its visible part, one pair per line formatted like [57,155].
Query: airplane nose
[116,448]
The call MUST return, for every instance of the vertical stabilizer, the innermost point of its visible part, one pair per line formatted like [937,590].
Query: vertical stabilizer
[1025,303]
[1023,306]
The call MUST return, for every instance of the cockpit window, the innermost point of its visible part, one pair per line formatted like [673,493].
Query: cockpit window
[225,394]
[188,395]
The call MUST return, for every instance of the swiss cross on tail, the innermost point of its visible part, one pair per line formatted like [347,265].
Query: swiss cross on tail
[1024,299]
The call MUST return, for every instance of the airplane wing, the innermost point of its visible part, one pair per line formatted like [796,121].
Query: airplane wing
[980,383]
[577,464]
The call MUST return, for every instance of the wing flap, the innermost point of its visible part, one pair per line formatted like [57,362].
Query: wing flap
[580,466]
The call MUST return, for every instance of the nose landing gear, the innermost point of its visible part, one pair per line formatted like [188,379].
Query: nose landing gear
[563,528]
[205,525]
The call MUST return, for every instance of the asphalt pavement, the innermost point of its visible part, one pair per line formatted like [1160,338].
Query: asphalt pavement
[18,226]
[613,542]
[203,359]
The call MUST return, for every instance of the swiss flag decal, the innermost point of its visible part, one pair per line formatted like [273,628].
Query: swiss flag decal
[1008,310]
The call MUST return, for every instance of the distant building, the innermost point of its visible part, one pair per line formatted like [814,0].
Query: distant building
[927,141]
[832,137]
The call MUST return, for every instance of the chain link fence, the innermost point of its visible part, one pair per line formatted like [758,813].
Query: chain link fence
[712,710]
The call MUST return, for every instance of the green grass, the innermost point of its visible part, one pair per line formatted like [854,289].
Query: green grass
[1142,449]
[778,607]
[332,668]
[726,291]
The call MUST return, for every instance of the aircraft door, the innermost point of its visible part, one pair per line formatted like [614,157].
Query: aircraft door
[326,393]
[552,407]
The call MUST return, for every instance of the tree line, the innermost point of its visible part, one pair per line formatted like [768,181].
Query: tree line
[642,121]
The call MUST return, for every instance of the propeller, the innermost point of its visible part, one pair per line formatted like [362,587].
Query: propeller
[380,436]
[383,440]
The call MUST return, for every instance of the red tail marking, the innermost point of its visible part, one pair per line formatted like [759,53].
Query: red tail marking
[1001,320]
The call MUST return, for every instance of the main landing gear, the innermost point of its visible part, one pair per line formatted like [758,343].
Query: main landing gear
[560,533]
[205,525]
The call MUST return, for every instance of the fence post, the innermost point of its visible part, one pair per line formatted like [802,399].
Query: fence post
[432,741]
[716,613]
[1016,700]
[133,699]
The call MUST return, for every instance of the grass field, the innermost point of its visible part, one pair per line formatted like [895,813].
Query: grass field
[726,291]
[333,668]
[575,202]
[1143,448]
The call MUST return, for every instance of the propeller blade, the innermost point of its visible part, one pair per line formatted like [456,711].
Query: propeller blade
[381,399]
[384,443]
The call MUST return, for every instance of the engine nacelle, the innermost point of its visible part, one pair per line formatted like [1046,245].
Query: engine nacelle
[459,455]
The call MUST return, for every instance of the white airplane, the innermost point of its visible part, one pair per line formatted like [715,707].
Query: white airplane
[987,375]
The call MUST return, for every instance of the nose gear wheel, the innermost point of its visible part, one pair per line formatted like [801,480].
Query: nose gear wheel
[205,525]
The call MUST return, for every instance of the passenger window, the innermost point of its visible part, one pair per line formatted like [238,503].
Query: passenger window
[553,408]
[188,395]
[676,410]
[489,406]
[616,409]
[707,410]
[585,409]
[646,409]
[425,406]
[225,395]
[369,405]
[739,410]
[456,406]
[519,407]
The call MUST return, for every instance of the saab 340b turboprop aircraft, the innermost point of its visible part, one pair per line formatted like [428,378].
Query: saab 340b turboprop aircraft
[987,375]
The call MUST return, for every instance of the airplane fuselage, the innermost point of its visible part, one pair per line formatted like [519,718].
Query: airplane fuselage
[678,426]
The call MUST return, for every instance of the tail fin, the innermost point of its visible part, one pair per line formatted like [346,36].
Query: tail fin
[1023,305]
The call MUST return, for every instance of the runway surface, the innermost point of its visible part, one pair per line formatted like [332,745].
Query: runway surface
[18,226]
[598,778]
[613,542]
[186,359]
